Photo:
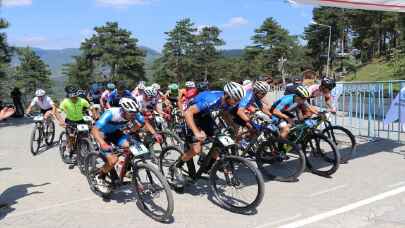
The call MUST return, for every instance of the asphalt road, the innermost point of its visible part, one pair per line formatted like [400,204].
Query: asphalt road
[42,192]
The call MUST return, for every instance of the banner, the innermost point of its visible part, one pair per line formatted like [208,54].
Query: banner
[382,5]
[397,107]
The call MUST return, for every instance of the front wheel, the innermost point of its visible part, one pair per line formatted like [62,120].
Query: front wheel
[65,154]
[280,160]
[36,140]
[93,164]
[322,156]
[237,184]
[154,195]
[343,139]
[85,147]
[50,133]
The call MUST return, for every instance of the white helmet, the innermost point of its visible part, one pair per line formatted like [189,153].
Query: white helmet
[129,105]
[156,86]
[190,84]
[150,92]
[141,85]
[247,82]
[261,87]
[40,93]
[234,90]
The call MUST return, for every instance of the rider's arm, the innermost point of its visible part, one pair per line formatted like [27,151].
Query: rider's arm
[57,114]
[242,114]
[28,111]
[149,127]
[265,109]
[189,117]
[98,136]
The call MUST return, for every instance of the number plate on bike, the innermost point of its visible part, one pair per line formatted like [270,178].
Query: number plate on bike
[87,119]
[226,140]
[138,149]
[38,118]
[82,127]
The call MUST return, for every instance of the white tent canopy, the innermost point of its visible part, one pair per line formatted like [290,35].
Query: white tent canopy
[385,5]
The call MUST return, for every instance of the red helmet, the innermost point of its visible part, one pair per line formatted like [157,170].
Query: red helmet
[190,93]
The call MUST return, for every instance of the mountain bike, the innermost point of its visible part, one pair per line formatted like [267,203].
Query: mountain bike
[44,130]
[132,169]
[228,174]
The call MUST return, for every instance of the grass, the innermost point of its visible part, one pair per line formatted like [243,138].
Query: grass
[377,70]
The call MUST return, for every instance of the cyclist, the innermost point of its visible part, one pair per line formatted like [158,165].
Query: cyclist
[105,95]
[200,123]
[151,102]
[139,89]
[283,109]
[323,90]
[45,103]
[110,129]
[115,96]
[74,108]
[186,94]
[202,86]
[247,84]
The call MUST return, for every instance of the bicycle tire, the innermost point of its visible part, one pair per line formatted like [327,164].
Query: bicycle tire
[63,148]
[345,156]
[82,152]
[35,132]
[47,141]
[91,172]
[316,168]
[258,176]
[142,199]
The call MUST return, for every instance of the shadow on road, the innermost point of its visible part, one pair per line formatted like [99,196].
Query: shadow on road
[11,196]
[5,168]
[45,147]
[15,122]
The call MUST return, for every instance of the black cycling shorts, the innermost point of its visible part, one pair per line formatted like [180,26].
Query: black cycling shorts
[43,111]
[205,123]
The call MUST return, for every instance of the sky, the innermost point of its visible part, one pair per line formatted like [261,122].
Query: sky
[58,24]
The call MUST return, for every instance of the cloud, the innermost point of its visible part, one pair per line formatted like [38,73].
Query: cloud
[15,3]
[122,3]
[235,22]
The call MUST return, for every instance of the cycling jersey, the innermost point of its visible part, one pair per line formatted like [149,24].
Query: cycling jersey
[104,96]
[147,104]
[45,104]
[74,111]
[286,103]
[114,97]
[112,120]
[249,99]
[208,101]
[315,91]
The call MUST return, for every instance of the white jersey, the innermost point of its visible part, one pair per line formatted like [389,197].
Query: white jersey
[45,104]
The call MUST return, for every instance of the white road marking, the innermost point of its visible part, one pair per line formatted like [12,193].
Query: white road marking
[327,190]
[52,206]
[279,221]
[328,214]
[396,184]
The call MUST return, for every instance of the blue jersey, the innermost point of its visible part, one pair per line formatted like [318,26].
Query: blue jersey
[208,101]
[112,121]
[249,99]
[286,103]
[114,98]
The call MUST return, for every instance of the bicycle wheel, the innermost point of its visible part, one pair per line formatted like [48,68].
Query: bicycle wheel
[237,184]
[286,165]
[65,154]
[50,133]
[167,158]
[85,147]
[343,139]
[322,156]
[92,166]
[36,140]
[154,195]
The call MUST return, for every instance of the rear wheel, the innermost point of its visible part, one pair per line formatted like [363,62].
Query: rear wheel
[36,139]
[280,160]
[154,195]
[167,159]
[93,164]
[237,184]
[343,139]
[322,156]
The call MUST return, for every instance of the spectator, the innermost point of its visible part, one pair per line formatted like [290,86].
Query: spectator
[16,96]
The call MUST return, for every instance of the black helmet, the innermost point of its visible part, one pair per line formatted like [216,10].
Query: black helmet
[71,91]
[202,86]
[328,83]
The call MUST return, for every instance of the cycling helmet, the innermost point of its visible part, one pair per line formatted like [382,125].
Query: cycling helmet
[302,91]
[173,87]
[190,84]
[141,85]
[156,86]
[261,87]
[234,90]
[129,105]
[202,86]
[40,93]
[150,92]
[71,91]
[328,83]
[110,86]
[246,82]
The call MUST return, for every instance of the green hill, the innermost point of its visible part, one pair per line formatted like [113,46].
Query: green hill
[377,70]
